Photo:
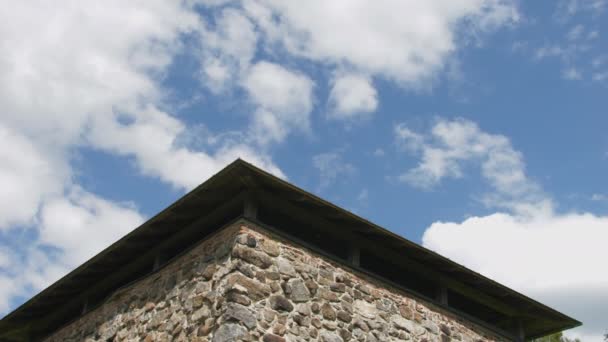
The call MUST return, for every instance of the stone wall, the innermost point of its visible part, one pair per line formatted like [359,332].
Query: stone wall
[245,284]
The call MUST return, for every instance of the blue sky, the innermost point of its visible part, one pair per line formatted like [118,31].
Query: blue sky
[468,126]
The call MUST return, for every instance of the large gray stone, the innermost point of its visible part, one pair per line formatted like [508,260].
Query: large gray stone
[272,338]
[445,329]
[298,291]
[252,256]
[246,239]
[285,267]
[330,337]
[159,317]
[229,332]
[271,248]
[365,309]
[280,303]
[431,327]
[304,309]
[359,323]
[407,325]
[242,314]
[406,312]
[201,313]
[252,288]
[328,312]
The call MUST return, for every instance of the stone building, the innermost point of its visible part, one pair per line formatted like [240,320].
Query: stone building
[249,257]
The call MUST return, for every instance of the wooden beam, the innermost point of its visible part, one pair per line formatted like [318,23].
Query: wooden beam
[250,207]
[354,255]
[379,248]
[159,260]
[520,333]
[298,241]
[442,295]
[114,281]
[85,306]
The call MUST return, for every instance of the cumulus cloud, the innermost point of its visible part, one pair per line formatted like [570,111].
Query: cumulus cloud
[228,48]
[5,258]
[579,50]
[80,74]
[405,42]
[600,76]
[159,159]
[555,258]
[352,96]
[402,41]
[283,98]
[331,166]
[27,177]
[452,145]
[70,229]
[408,139]
[64,69]
[82,223]
[575,32]
[572,74]
[551,256]
[549,51]
[566,9]
[545,246]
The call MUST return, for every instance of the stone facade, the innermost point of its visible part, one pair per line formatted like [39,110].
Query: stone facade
[245,284]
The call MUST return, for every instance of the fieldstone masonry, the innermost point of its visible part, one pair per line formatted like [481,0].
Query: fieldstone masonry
[245,284]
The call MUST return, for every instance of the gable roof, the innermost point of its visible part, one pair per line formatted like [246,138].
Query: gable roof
[298,214]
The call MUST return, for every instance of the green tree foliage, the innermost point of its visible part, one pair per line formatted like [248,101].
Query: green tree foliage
[558,337]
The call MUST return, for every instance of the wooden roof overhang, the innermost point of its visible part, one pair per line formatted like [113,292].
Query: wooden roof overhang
[299,215]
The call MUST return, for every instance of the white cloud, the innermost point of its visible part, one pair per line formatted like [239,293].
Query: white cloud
[64,83]
[402,41]
[578,50]
[27,177]
[575,32]
[228,49]
[72,64]
[352,96]
[81,74]
[379,152]
[165,158]
[598,61]
[77,227]
[600,76]
[331,166]
[553,257]
[81,224]
[284,100]
[452,145]
[408,139]
[573,53]
[24,276]
[5,258]
[566,9]
[593,35]
[561,248]
[405,42]
[572,74]
[363,196]
[549,51]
